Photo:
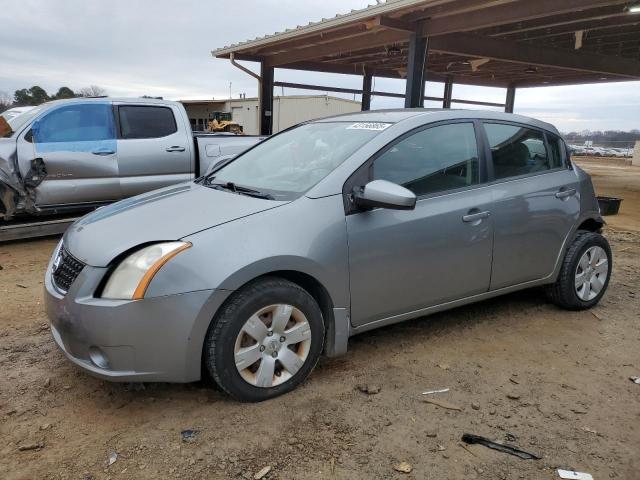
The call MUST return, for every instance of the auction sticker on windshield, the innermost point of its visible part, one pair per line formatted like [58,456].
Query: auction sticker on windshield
[369,126]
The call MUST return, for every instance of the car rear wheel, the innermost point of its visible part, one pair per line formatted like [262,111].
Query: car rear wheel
[265,340]
[584,275]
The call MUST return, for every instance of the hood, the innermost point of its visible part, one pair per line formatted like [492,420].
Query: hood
[167,214]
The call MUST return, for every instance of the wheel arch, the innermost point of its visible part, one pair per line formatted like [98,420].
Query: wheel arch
[592,224]
[336,321]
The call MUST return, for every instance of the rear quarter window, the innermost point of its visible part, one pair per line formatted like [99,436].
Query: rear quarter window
[141,121]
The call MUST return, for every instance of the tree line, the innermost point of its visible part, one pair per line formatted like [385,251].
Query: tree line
[36,95]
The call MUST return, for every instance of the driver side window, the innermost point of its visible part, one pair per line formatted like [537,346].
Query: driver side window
[433,160]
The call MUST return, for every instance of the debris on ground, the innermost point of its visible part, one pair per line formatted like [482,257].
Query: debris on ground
[510,437]
[369,389]
[113,456]
[443,366]
[21,285]
[513,396]
[475,405]
[477,439]
[189,435]
[570,474]
[31,446]
[635,380]
[262,473]
[590,430]
[403,467]
[442,404]
[431,392]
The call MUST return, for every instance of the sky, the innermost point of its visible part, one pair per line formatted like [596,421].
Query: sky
[162,48]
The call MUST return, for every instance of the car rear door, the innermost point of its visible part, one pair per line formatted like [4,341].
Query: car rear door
[535,201]
[403,261]
[76,142]
[154,147]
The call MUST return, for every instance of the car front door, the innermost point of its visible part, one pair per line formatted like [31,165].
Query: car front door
[403,261]
[154,150]
[76,142]
[536,202]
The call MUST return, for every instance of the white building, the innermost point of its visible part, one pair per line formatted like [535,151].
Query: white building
[287,110]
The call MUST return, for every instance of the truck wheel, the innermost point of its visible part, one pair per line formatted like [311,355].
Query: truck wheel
[265,340]
[585,272]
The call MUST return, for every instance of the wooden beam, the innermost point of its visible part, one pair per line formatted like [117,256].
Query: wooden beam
[391,23]
[364,41]
[510,13]
[505,50]
[570,20]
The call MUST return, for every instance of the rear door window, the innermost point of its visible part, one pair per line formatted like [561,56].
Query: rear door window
[436,159]
[141,121]
[517,150]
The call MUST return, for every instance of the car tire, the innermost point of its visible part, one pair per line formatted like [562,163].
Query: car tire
[252,350]
[584,274]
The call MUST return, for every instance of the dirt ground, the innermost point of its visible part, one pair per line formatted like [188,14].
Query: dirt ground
[557,381]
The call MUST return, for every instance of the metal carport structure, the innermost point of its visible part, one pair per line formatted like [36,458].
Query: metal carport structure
[498,43]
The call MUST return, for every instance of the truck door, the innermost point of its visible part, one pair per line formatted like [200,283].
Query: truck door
[77,144]
[154,147]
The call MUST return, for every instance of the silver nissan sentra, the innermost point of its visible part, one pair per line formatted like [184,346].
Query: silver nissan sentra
[326,230]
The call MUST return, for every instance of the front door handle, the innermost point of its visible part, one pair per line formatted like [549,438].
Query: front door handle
[175,148]
[566,193]
[103,151]
[473,217]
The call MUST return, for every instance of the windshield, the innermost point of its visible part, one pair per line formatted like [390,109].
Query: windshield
[287,165]
[16,123]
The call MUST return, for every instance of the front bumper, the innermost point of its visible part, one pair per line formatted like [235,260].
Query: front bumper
[155,339]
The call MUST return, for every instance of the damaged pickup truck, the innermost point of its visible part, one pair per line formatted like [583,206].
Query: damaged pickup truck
[80,154]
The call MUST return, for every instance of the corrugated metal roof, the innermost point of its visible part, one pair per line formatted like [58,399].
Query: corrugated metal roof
[340,19]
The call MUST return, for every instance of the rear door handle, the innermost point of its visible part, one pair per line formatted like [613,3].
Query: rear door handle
[472,217]
[566,193]
[175,148]
[103,151]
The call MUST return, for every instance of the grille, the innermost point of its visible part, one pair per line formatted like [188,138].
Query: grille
[65,270]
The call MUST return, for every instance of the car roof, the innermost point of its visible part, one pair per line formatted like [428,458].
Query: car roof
[157,101]
[435,115]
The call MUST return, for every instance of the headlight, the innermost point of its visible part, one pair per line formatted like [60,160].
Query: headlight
[130,279]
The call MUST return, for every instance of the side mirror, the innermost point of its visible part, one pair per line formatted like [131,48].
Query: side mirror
[384,194]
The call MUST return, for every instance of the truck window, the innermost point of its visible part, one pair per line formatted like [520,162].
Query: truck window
[138,121]
[89,122]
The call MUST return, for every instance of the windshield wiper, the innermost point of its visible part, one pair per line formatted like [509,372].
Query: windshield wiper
[232,187]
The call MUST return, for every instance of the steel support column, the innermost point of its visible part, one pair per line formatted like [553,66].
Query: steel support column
[416,67]
[448,92]
[266,99]
[366,92]
[511,99]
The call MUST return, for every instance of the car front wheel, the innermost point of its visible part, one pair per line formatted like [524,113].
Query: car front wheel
[584,275]
[265,340]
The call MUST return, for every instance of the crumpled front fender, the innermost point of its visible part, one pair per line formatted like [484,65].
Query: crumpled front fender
[16,196]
